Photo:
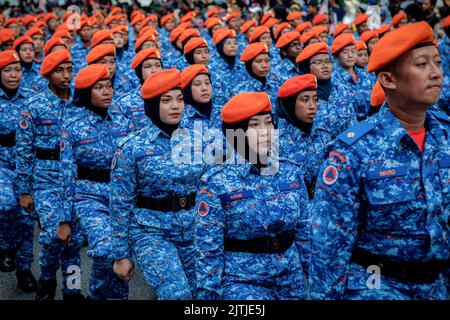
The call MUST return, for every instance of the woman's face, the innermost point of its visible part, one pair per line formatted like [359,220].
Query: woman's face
[306,106]
[149,44]
[26,52]
[11,76]
[230,47]
[261,65]
[201,56]
[102,94]
[260,134]
[150,66]
[171,107]
[362,58]
[201,88]
[110,62]
[323,37]
[320,66]
[267,39]
[347,56]
[293,49]
[372,42]
[118,40]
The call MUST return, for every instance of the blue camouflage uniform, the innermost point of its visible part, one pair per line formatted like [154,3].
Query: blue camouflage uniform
[170,57]
[285,70]
[88,144]
[180,63]
[236,202]
[444,49]
[32,80]
[377,194]
[132,106]
[37,175]
[226,76]
[162,240]
[16,225]
[305,149]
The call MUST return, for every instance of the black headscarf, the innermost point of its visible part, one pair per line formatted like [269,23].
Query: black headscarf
[119,52]
[190,57]
[138,70]
[204,108]
[152,109]
[229,60]
[174,44]
[286,111]
[249,153]
[323,86]
[24,65]
[9,93]
[248,67]
[82,98]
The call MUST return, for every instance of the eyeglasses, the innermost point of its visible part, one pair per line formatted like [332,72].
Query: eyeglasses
[321,62]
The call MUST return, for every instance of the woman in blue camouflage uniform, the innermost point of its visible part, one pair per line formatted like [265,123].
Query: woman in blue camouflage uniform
[89,138]
[153,194]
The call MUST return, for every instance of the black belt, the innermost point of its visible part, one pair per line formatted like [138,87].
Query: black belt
[267,245]
[96,175]
[47,154]
[175,203]
[8,140]
[407,272]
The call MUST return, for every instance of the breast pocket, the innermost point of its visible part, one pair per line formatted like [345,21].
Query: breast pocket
[389,186]
[444,175]
[47,127]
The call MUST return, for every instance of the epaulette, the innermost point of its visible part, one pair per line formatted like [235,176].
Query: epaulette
[351,135]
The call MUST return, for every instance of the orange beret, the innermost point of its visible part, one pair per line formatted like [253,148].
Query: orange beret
[266,16]
[340,28]
[136,19]
[211,12]
[122,16]
[287,38]
[187,17]
[141,56]
[176,33]
[360,18]
[378,96]
[302,26]
[232,15]
[149,19]
[167,18]
[90,75]
[40,16]
[29,19]
[193,44]
[319,18]
[7,57]
[311,50]
[101,36]
[246,26]
[258,32]
[369,34]
[342,41]
[280,28]
[118,29]
[212,22]
[160,82]
[446,22]
[244,106]
[10,21]
[6,35]
[62,27]
[360,45]
[62,34]
[185,25]
[297,84]
[39,24]
[189,33]
[383,29]
[21,40]
[34,31]
[116,10]
[100,51]
[397,18]
[319,29]
[398,42]
[53,42]
[109,20]
[134,13]
[85,23]
[222,34]
[50,16]
[252,50]
[189,73]
[271,22]
[307,36]
[148,30]
[294,15]
[53,60]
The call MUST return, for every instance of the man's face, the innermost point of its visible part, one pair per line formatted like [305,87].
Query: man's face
[417,76]
[61,76]
[38,42]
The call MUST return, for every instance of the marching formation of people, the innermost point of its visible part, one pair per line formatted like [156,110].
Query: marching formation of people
[228,152]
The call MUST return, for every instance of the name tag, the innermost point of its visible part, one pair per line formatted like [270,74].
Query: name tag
[148,152]
[46,122]
[386,173]
[444,163]
[289,186]
[240,195]
[85,141]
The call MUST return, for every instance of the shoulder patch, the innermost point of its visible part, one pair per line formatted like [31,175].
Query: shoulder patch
[203,208]
[330,175]
[23,124]
[356,132]
[441,116]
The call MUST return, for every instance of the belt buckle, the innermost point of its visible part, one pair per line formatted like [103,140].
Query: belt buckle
[182,202]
